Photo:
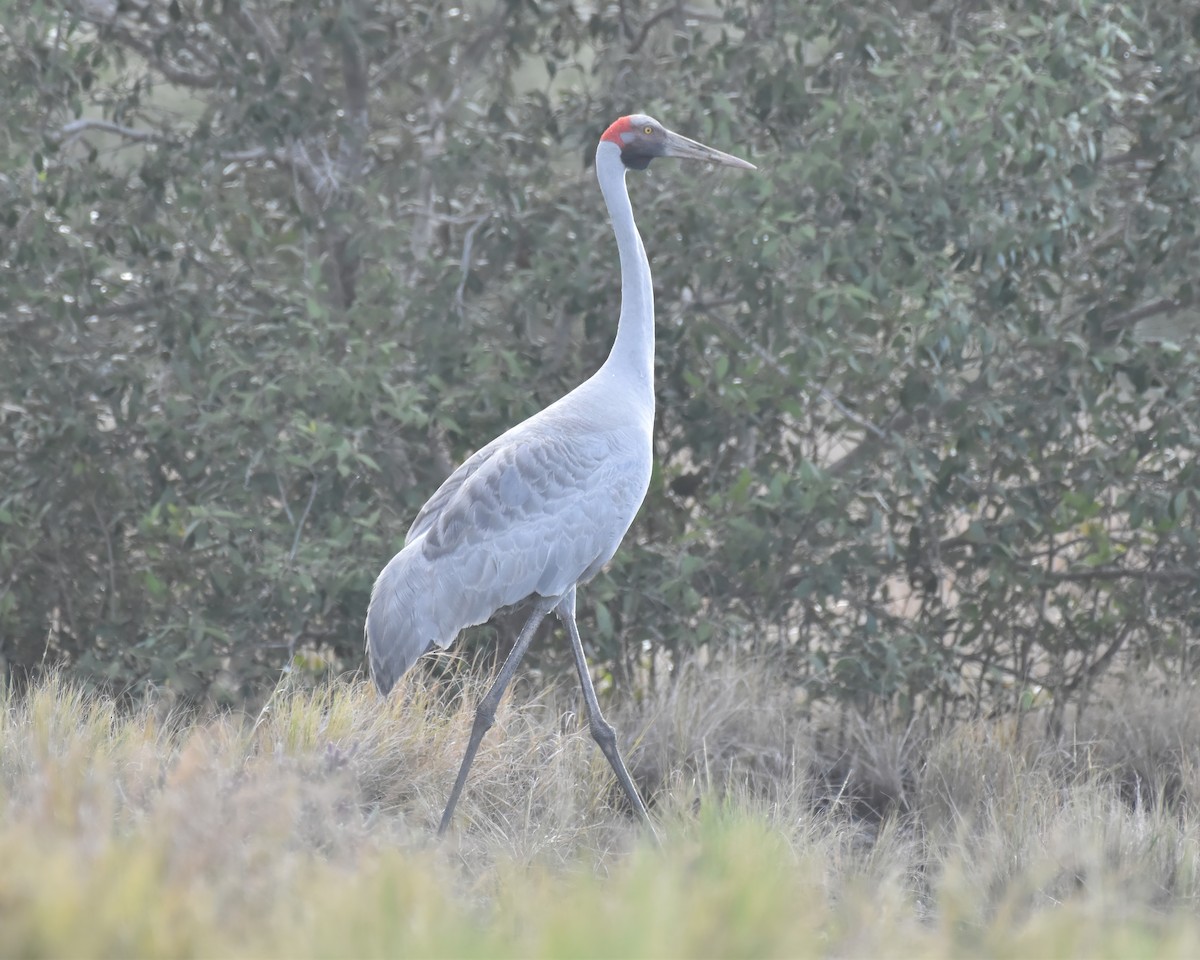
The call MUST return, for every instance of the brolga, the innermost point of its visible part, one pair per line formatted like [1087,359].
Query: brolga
[543,507]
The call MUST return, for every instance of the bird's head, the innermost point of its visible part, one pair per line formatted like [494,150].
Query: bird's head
[642,138]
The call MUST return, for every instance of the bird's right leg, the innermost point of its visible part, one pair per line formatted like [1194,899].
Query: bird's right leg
[485,713]
[602,731]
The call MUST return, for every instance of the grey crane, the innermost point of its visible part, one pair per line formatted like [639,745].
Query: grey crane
[545,505]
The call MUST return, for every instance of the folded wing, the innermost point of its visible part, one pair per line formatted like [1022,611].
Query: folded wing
[532,513]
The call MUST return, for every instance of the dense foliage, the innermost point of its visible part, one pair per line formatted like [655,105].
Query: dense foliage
[926,384]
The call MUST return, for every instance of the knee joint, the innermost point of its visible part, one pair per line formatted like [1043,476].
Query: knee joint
[603,732]
[485,716]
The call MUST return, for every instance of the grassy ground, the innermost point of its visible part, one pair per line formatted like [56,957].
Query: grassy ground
[309,832]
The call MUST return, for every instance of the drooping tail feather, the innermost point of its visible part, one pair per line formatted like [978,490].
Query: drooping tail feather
[425,597]
[401,625]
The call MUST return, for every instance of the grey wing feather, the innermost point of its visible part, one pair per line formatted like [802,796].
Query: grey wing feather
[428,514]
[397,629]
[531,513]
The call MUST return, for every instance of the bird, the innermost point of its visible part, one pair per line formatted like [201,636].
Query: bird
[542,508]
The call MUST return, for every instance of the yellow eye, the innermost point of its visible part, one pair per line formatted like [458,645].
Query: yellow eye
[647,130]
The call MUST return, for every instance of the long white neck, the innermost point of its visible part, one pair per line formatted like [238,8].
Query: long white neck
[632,356]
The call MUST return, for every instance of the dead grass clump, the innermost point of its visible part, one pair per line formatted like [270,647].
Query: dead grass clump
[982,770]
[725,724]
[1146,736]
[866,765]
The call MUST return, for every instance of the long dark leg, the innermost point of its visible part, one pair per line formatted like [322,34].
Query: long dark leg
[602,731]
[485,713]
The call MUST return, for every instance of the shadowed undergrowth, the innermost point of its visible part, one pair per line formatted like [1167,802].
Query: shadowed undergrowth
[309,830]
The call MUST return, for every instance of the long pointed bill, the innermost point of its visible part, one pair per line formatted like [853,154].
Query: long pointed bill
[686,149]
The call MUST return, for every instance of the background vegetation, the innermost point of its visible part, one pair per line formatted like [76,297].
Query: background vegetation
[926,384]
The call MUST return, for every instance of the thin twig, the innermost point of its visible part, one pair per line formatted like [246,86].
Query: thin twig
[121,309]
[312,495]
[76,128]
[1174,575]
[112,562]
[465,262]
[1146,311]
[283,499]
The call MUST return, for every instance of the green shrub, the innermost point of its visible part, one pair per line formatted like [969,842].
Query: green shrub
[926,382]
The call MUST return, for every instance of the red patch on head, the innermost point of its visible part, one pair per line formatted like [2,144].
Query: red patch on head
[613,133]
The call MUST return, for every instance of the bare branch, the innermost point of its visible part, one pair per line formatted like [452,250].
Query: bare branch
[112,562]
[1173,575]
[253,154]
[465,263]
[649,24]
[898,424]
[77,128]
[312,495]
[283,499]
[677,9]
[1097,666]
[1155,308]
[121,309]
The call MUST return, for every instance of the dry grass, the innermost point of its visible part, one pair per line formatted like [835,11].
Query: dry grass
[308,831]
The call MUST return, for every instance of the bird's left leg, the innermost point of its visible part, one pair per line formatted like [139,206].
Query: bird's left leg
[485,713]
[602,730]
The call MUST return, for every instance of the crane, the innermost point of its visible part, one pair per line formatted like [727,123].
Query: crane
[544,506]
